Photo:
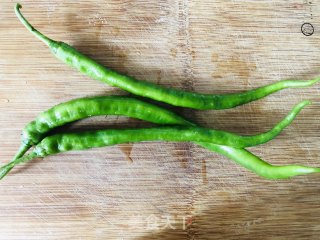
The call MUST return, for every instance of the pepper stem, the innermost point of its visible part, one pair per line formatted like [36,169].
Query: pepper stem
[34,31]
[22,150]
[4,170]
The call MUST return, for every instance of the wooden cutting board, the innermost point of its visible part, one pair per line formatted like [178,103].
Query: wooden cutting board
[162,190]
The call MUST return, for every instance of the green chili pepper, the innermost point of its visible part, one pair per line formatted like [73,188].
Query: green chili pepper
[36,130]
[176,97]
[240,156]
[257,165]
[82,108]
[79,141]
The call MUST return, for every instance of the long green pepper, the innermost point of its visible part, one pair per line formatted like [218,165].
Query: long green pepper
[86,65]
[240,156]
[78,109]
[79,141]
[36,130]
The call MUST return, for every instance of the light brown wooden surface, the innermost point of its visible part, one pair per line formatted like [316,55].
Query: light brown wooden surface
[202,45]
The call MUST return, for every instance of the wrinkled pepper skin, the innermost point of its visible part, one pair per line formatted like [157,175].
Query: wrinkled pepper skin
[176,97]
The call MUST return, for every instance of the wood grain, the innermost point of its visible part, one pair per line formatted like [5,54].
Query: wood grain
[168,190]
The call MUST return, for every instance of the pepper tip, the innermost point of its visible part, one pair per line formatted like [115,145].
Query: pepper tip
[18,6]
